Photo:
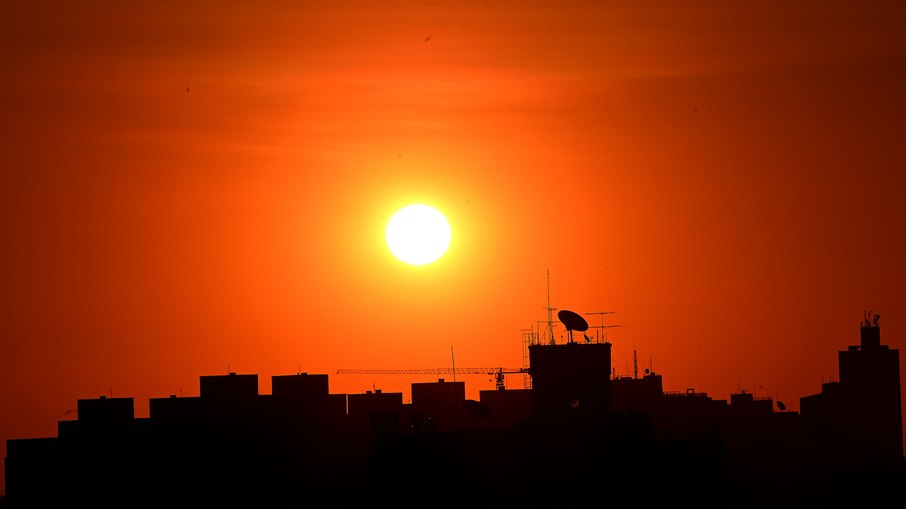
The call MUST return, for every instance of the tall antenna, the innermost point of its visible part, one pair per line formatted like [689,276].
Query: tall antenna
[635,363]
[550,318]
[453,360]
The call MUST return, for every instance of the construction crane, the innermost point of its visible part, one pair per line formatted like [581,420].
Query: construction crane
[496,372]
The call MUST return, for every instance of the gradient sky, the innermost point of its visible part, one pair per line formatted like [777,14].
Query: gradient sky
[192,188]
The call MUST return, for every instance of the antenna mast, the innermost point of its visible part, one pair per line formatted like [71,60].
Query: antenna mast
[550,318]
[635,363]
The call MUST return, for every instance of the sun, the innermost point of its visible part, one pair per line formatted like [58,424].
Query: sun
[418,234]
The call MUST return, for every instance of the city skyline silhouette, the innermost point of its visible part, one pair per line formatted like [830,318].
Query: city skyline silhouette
[578,434]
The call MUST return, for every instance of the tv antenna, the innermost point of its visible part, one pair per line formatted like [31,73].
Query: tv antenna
[550,310]
[602,326]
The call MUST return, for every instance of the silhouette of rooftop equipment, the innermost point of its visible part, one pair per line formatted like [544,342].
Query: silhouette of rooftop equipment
[601,327]
[572,321]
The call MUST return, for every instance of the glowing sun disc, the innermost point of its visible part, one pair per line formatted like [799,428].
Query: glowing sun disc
[418,234]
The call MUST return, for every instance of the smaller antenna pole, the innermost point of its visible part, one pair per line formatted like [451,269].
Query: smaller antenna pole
[453,360]
[550,319]
[635,363]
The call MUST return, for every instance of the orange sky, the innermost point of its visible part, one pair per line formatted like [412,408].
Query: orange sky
[190,188]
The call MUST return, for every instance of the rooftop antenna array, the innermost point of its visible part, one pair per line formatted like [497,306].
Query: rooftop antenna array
[602,326]
[871,319]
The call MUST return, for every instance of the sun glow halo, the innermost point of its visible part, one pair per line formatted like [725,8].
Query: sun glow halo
[418,234]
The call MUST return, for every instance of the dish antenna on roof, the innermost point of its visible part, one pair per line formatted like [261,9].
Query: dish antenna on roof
[572,321]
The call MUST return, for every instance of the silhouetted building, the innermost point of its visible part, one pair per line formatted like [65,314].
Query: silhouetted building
[439,406]
[637,395]
[305,399]
[570,380]
[106,412]
[304,388]
[376,411]
[858,420]
[176,411]
[228,388]
[507,409]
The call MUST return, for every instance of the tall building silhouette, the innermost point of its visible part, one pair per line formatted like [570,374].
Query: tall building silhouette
[570,378]
[858,419]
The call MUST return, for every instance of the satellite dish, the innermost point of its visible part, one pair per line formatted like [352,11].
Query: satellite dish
[572,321]
[781,406]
